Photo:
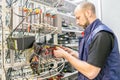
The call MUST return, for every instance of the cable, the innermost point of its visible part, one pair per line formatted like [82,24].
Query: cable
[28,9]
[54,74]
[14,1]
[10,3]
[10,35]
[47,61]
[59,2]
[26,3]
[55,29]
[8,74]
[18,15]
[3,66]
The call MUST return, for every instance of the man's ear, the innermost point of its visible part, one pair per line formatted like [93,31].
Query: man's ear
[88,13]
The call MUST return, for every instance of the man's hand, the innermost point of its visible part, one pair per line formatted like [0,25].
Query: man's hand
[59,52]
[67,49]
[70,51]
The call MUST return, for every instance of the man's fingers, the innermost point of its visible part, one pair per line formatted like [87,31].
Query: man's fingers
[57,47]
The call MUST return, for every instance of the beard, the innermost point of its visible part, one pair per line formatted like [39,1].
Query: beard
[86,22]
[85,25]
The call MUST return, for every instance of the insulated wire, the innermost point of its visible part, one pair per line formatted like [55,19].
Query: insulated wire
[57,72]
[3,47]
[44,35]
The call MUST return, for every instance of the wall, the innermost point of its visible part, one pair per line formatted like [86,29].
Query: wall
[111,15]
[97,4]
[109,12]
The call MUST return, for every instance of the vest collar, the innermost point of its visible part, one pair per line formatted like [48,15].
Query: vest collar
[91,27]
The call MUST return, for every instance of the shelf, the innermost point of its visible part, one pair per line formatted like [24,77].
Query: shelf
[71,30]
[75,2]
[70,2]
[67,15]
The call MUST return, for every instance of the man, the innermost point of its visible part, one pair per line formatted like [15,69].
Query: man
[98,57]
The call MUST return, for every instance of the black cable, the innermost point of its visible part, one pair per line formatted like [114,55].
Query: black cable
[14,1]
[26,3]
[7,55]
[10,35]
[18,15]
[8,74]
[8,2]
[16,28]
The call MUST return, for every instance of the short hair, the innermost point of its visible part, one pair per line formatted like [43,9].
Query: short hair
[86,5]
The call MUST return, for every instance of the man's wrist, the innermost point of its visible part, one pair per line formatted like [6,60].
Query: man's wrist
[74,53]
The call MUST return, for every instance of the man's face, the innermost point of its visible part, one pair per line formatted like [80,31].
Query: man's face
[81,18]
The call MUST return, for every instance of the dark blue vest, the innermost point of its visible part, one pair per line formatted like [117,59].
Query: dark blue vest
[111,70]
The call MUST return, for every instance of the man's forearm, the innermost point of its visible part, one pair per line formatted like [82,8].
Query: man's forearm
[82,66]
[75,54]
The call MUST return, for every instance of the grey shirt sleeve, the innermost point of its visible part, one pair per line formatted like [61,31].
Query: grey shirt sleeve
[100,48]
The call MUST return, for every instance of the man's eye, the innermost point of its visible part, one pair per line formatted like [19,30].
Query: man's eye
[77,17]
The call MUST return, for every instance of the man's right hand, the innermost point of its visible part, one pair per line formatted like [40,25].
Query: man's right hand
[70,51]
